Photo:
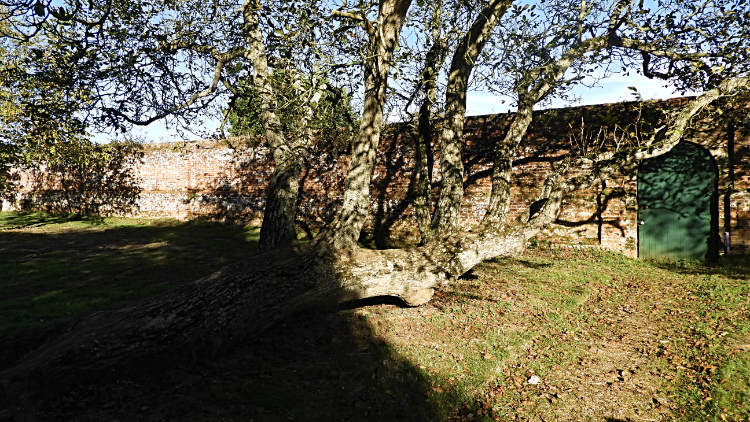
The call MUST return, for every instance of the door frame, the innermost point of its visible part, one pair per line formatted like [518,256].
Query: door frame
[713,239]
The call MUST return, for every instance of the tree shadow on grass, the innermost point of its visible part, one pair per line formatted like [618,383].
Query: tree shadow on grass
[735,266]
[50,278]
[321,366]
[24,219]
[325,365]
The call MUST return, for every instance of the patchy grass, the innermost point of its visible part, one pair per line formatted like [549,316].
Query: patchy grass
[555,335]
[718,350]
[582,335]
[56,267]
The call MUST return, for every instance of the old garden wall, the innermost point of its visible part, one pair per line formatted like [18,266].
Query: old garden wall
[210,180]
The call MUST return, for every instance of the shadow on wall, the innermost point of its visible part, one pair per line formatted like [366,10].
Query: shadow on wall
[555,135]
[395,189]
[232,189]
[238,194]
[225,206]
[321,190]
[103,185]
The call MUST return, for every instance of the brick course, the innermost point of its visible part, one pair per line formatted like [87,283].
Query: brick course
[208,179]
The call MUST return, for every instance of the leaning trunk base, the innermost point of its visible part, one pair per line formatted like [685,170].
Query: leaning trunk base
[211,315]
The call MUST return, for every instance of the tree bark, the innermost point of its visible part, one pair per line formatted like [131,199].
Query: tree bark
[283,187]
[344,230]
[424,184]
[448,210]
[534,85]
[497,210]
[281,200]
[425,157]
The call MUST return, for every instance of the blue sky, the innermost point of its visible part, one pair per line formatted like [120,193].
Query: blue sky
[611,90]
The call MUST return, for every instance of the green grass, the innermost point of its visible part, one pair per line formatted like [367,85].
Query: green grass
[721,302]
[542,313]
[56,267]
[17,220]
[604,333]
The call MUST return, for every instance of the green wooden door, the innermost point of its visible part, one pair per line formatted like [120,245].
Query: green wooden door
[675,193]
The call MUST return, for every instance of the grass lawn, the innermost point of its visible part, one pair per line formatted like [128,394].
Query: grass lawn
[555,335]
[57,267]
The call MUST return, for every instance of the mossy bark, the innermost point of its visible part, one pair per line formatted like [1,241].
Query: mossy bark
[448,209]
[281,193]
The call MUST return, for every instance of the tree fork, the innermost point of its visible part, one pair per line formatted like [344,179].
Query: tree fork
[344,230]
[425,157]
[448,209]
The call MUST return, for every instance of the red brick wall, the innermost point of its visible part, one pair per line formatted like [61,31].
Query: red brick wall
[208,179]
[737,205]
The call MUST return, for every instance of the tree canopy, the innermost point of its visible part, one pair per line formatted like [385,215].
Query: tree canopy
[41,114]
[333,123]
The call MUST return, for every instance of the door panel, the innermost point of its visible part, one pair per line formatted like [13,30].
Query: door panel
[674,203]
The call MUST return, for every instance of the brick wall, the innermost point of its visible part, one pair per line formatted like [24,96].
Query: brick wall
[208,179]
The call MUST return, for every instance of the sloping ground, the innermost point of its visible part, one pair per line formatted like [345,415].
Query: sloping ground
[576,335]
[556,335]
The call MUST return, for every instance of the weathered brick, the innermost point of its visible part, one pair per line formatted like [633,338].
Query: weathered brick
[207,179]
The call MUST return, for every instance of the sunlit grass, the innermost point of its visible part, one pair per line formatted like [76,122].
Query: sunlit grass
[512,319]
[470,352]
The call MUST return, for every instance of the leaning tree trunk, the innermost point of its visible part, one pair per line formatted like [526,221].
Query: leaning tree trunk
[424,186]
[280,210]
[425,159]
[448,209]
[279,214]
[499,204]
[209,316]
[281,194]
[535,84]
[344,230]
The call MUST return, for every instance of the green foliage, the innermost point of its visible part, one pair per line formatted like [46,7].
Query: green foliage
[334,119]
[40,109]
[41,133]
